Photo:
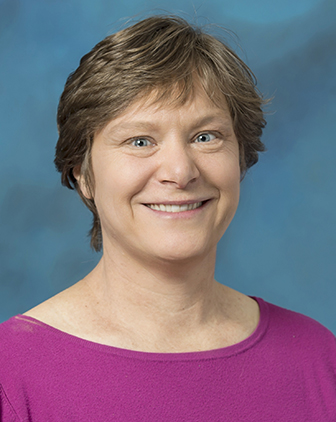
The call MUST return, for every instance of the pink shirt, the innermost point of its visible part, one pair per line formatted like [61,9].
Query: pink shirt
[285,371]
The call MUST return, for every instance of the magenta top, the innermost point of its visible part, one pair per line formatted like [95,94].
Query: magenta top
[285,371]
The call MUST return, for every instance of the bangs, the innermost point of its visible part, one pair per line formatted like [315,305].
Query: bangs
[182,89]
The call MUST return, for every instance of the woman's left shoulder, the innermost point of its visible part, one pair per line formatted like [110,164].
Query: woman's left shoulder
[301,329]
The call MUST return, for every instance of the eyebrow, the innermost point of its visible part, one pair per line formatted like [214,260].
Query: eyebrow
[134,125]
[225,123]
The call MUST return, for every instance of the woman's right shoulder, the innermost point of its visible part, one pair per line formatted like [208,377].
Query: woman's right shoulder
[26,352]
[16,334]
[24,333]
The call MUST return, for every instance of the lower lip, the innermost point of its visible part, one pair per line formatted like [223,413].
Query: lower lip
[181,214]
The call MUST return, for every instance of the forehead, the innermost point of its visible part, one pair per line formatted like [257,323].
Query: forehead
[158,105]
[176,95]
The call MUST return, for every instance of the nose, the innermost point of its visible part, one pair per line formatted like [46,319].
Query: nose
[177,165]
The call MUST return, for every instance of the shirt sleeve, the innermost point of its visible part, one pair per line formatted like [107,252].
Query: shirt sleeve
[7,413]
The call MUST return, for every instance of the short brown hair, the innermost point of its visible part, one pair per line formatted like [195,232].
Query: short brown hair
[158,53]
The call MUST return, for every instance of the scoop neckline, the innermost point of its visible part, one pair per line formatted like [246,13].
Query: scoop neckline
[228,351]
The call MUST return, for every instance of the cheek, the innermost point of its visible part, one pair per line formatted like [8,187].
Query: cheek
[224,172]
[118,178]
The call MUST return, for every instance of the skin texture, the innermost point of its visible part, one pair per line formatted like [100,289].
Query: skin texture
[154,288]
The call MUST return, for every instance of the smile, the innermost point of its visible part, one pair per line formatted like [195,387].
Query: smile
[174,208]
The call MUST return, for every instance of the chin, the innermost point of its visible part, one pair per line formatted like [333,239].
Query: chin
[183,253]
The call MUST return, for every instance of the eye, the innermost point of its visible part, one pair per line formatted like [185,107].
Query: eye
[205,137]
[141,142]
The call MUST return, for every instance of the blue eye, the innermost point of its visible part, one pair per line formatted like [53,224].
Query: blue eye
[141,142]
[205,137]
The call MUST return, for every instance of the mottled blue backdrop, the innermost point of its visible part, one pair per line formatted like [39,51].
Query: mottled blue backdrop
[281,245]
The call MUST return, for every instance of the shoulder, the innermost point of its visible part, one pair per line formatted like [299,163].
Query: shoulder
[17,336]
[13,331]
[65,310]
[294,322]
[27,344]
[19,360]
[35,359]
[297,334]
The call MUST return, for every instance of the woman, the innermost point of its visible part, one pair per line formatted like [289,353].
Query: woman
[157,127]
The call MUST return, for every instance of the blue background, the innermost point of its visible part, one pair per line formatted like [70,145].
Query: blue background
[281,244]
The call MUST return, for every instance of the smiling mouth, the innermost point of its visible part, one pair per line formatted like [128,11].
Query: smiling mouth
[175,208]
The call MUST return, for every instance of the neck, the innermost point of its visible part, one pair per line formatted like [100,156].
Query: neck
[173,285]
[157,308]
[170,302]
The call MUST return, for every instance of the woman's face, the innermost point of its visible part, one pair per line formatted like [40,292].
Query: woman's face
[166,179]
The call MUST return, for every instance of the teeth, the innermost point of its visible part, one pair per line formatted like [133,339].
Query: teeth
[174,208]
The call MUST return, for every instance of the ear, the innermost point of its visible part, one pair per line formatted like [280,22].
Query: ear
[82,184]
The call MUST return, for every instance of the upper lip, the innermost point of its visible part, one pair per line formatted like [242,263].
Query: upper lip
[186,202]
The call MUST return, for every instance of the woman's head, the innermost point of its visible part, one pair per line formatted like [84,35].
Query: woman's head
[167,59]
